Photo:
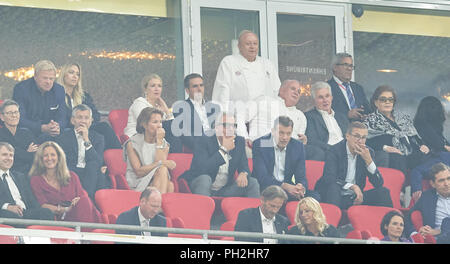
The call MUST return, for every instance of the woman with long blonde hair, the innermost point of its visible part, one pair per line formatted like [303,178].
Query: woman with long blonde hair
[59,189]
[70,77]
[311,221]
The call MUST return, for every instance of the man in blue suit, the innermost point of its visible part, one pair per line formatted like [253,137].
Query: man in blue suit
[279,159]
[217,159]
[434,204]
[146,214]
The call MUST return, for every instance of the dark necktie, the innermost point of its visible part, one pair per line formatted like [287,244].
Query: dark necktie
[350,97]
[5,182]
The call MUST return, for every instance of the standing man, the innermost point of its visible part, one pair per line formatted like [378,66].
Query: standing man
[84,150]
[193,117]
[217,159]
[347,166]
[265,218]
[16,198]
[325,126]
[348,97]
[280,160]
[244,77]
[146,214]
[41,102]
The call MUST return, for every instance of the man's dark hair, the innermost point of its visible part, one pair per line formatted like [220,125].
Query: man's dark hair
[284,121]
[189,77]
[355,124]
[437,168]
[272,192]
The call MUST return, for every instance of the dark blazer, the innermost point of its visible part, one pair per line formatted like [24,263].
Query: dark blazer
[330,231]
[427,206]
[68,141]
[37,108]
[317,131]
[207,159]
[335,170]
[264,162]
[431,135]
[23,185]
[187,121]
[339,103]
[20,141]
[249,220]
[131,217]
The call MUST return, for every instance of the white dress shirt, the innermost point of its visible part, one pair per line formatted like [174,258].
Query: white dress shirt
[280,161]
[351,170]
[144,222]
[268,226]
[442,209]
[335,135]
[14,191]
[222,175]
[81,150]
[201,111]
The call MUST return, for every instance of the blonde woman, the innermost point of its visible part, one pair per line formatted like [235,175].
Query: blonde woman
[70,78]
[310,220]
[152,90]
[59,189]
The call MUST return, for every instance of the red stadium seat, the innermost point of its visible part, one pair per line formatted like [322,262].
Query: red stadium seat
[8,239]
[332,213]
[118,118]
[314,171]
[231,206]
[183,161]
[417,220]
[117,168]
[190,210]
[113,202]
[368,219]
[393,180]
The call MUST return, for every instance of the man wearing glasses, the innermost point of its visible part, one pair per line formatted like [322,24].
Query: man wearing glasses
[220,166]
[348,97]
[347,165]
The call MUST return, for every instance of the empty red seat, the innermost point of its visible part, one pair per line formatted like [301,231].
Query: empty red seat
[118,118]
[113,202]
[117,168]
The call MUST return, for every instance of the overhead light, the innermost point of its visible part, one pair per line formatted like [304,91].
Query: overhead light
[386,70]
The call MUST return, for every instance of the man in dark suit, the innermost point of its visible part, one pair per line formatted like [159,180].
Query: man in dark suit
[193,117]
[326,127]
[41,102]
[84,150]
[265,218]
[347,166]
[278,158]
[145,215]
[434,206]
[348,97]
[217,159]
[16,198]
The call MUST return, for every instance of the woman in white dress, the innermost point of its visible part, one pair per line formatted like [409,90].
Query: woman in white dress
[152,89]
[146,154]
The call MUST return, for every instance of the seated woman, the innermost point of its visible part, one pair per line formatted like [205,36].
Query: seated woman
[70,79]
[59,189]
[310,220]
[152,89]
[392,226]
[429,123]
[22,139]
[146,154]
[393,133]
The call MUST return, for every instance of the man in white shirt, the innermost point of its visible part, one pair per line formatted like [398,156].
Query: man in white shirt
[84,150]
[348,164]
[243,77]
[325,126]
[16,198]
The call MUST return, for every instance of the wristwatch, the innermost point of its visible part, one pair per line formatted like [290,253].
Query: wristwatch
[87,144]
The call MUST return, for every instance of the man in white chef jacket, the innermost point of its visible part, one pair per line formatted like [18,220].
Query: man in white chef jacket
[244,77]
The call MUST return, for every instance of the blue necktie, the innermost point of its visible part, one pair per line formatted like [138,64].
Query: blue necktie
[350,97]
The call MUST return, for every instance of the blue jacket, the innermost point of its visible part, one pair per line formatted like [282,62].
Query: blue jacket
[264,162]
[427,206]
[37,108]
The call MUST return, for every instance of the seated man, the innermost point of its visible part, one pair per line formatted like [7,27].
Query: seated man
[147,213]
[265,218]
[434,204]
[347,166]
[194,116]
[22,139]
[217,159]
[16,198]
[84,150]
[41,102]
[325,126]
[278,159]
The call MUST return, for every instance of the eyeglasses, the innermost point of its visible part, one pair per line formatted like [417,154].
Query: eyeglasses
[386,100]
[10,113]
[228,125]
[359,137]
[351,66]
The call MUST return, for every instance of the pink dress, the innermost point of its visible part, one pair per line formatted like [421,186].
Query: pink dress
[84,210]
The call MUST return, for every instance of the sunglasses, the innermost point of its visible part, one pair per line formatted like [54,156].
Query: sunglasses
[386,100]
